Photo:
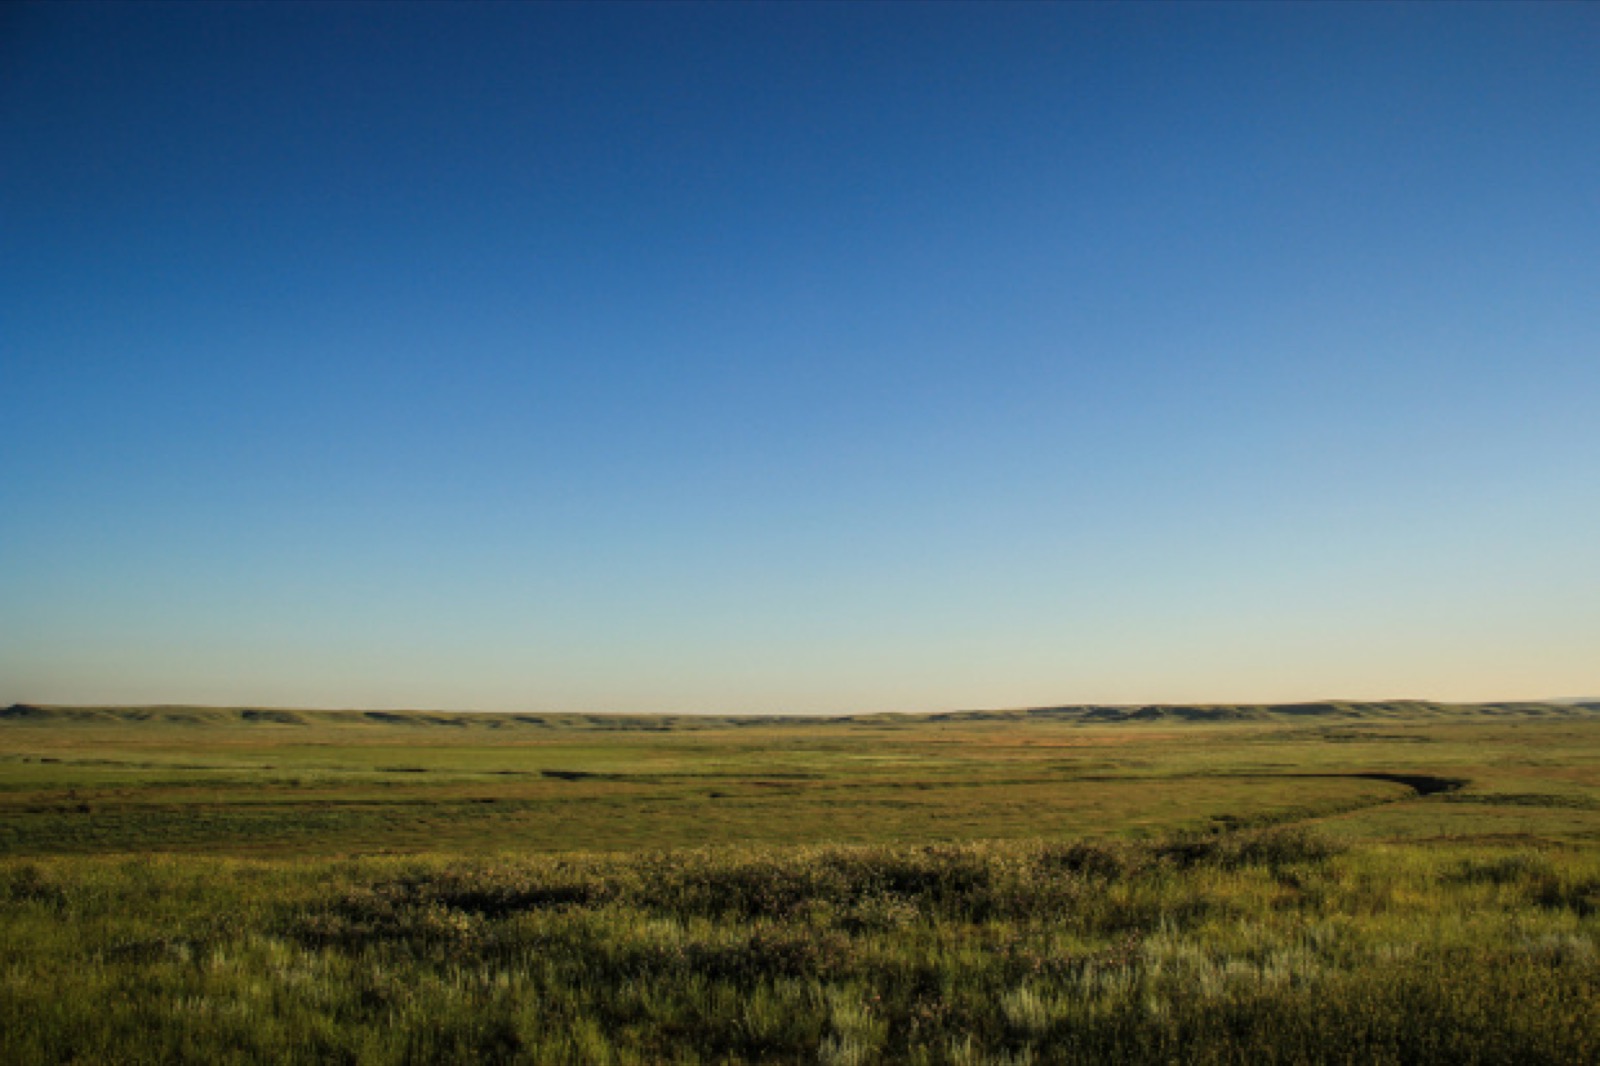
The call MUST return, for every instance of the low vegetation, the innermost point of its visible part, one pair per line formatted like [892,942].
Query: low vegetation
[1343,888]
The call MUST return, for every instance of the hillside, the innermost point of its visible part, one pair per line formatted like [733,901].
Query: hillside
[180,715]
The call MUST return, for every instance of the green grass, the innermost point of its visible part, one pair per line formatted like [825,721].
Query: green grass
[329,783]
[1266,946]
[1350,883]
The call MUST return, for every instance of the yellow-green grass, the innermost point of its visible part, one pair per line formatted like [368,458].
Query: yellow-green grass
[241,782]
[1328,883]
[1263,946]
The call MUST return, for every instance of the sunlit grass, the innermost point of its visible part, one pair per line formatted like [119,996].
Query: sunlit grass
[333,783]
[1006,889]
[1257,946]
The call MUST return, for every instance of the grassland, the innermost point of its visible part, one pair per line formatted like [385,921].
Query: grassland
[1321,882]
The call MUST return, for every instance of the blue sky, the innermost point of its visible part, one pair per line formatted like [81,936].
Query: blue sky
[798,357]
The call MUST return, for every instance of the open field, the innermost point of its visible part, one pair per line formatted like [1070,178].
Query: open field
[1397,882]
[331,783]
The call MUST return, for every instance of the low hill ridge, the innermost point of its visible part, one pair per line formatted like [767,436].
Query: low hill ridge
[270,717]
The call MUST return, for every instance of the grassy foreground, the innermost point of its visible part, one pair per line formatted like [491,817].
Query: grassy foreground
[1347,886]
[1258,947]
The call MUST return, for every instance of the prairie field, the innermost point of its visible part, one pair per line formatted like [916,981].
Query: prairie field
[1339,882]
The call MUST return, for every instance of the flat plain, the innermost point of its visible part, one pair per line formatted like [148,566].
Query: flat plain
[1321,882]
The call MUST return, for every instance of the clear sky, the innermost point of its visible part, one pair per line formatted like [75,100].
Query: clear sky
[809,358]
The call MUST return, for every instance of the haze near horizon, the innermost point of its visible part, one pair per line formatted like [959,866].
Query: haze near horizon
[811,358]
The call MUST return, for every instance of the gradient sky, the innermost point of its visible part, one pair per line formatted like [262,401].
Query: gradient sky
[798,358]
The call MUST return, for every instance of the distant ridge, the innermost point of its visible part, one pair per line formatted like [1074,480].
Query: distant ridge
[268,717]
[1259,712]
